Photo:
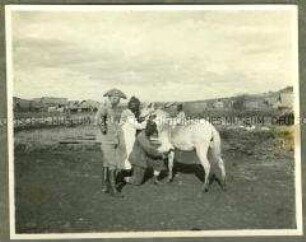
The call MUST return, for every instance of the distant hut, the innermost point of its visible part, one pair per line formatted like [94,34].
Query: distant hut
[37,107]
[72,106]
[52,101]
[88,106]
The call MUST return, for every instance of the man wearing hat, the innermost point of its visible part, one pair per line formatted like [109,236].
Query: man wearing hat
[112,140]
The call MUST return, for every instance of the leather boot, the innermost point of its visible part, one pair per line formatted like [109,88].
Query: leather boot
[120,179]
[105,180]
[112,179]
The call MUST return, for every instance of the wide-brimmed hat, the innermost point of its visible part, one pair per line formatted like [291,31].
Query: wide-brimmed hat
[115,92]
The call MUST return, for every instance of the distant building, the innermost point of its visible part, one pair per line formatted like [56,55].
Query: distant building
[282,99]
[72,106]
[271,100]
[218,104]
[52,101]
[286,98]
[88,106]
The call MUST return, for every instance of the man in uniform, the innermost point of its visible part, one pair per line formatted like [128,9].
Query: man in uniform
[112,140]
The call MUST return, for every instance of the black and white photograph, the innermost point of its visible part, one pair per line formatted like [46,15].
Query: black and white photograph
[141,121]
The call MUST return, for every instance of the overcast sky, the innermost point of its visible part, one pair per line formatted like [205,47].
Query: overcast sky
[157,56]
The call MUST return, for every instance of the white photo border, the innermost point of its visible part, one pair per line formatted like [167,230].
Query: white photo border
[156,234]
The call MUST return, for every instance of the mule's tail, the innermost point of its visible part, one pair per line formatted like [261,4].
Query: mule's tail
[215,145]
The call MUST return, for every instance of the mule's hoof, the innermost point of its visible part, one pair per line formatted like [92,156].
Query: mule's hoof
[156,181]
[105,190]
[205,189]
[170,179]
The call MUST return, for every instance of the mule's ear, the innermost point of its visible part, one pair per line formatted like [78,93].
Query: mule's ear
[152,105]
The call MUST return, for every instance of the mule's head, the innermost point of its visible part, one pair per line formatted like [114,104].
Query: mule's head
[172,108]
[153,114]
[147,110]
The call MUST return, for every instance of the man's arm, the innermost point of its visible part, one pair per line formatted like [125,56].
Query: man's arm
[101,118]
[137,125]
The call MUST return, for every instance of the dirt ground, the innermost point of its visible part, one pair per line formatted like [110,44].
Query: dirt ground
[58,189]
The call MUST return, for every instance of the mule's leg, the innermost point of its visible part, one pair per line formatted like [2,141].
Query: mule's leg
[201,151]
[155,177]
[170,166]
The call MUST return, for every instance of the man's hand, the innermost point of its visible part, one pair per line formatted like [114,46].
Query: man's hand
[142,119]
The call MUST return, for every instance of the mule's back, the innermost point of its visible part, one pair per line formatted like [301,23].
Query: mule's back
[184,136]
[187,136]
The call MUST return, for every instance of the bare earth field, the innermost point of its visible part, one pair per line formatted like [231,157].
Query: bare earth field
[58,188]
